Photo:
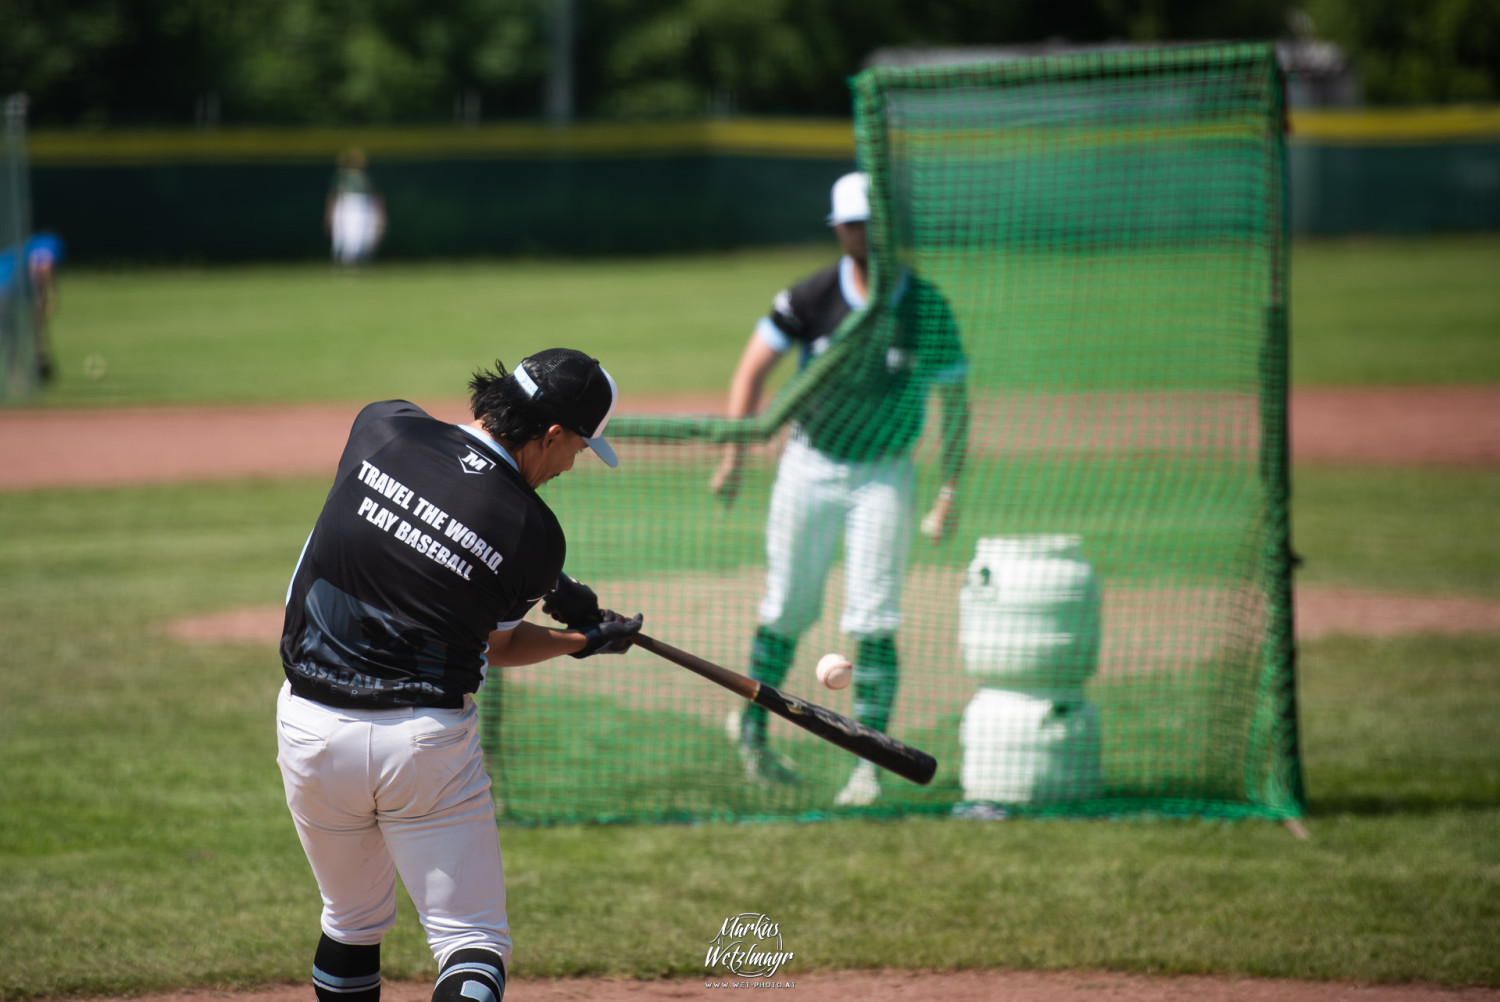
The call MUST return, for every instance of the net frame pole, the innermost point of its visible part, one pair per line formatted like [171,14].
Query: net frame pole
[1276,445]
[18,350]
[1276,728]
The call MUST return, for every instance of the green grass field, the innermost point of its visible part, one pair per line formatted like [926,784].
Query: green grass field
[144,844]
[1363,313]
[304,333]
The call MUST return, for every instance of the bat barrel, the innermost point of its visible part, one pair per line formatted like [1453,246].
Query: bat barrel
[850,735]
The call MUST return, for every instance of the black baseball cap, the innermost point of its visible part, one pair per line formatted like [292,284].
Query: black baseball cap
[573,390]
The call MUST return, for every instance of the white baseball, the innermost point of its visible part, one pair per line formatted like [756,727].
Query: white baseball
[834,671]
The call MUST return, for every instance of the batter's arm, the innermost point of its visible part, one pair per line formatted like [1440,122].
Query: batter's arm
[745,391]
[529,643]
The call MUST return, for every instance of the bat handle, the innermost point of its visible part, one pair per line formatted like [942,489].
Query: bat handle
[741,685]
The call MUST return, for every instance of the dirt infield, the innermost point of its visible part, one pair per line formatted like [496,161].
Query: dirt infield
[1429,427]
[147,445]
[1319,612]
[916,986]
[1450,426]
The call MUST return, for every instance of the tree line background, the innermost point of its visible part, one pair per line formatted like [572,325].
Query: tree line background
[172,62]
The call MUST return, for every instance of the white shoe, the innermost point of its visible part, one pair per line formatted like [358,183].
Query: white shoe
[862,789]
[763,767]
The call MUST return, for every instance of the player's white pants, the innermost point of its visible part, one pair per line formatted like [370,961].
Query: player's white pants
[375,793]
[355,226]
[813,498]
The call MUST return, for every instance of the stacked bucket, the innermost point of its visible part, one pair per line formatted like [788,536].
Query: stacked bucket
[1030,632]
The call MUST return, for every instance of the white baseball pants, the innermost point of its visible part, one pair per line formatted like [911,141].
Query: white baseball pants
[375,793]
[813,498]
[356,227]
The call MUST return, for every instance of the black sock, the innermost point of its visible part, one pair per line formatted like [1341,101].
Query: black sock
[344,973]
[475,974]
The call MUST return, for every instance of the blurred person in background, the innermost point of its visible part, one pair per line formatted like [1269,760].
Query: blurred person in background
[847,466]
[28,280]
[354,214]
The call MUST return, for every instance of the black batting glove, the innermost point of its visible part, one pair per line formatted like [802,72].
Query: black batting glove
[572,603]
[613,634]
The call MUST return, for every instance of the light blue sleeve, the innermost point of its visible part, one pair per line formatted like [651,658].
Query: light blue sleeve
[772,337]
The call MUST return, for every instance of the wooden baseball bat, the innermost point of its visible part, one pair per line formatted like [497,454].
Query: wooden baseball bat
[850,735]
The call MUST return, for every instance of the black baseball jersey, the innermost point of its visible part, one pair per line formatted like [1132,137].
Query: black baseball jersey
[877,405]
[428,541]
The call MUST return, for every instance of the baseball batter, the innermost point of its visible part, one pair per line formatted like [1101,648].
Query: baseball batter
[431,548]
[847,466]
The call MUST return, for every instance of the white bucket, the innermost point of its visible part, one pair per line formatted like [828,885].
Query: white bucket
[1029,614]
[1021,749]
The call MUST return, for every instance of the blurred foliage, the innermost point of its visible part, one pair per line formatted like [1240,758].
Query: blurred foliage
[292,61]
[137,62]
[1417,50]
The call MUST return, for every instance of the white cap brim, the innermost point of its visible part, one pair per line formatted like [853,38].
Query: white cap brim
[604,450]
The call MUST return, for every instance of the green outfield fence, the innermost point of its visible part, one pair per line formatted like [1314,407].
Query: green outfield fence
[504,189]
[1395,170]
[1109,630]
[244,193]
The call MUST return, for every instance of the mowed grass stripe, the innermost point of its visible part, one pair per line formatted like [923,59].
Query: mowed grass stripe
[1422,311]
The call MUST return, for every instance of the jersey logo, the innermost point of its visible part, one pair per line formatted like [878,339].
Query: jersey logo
[473,462]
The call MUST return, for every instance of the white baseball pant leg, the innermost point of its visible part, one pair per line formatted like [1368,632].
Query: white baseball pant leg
[877,542]
[355,227]
[802,532]
[377,793]
[813,498]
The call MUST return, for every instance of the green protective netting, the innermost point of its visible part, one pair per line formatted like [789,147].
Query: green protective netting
[1109,629]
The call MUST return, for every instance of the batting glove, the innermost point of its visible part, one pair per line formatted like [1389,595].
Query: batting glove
[573,603]
[613,634]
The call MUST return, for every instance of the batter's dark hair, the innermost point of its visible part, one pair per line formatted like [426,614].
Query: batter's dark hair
[503,409]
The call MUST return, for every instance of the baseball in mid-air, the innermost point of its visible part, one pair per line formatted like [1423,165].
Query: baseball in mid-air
[834,671]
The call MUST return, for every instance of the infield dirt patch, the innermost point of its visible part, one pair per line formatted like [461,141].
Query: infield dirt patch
[913,986]
[1319,612]
[1446,426]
